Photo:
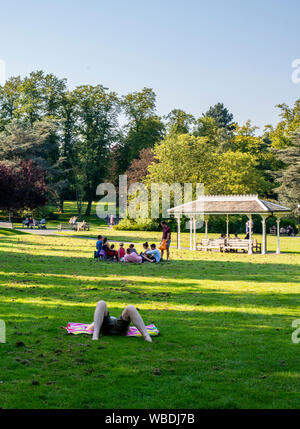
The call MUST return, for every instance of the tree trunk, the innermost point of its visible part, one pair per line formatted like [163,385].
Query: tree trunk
[88,208]
[79,203]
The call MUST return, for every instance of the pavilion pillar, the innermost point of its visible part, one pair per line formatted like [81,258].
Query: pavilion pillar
[206,226]
[264,234]
[278,217]
[178,233]
[194,225]
[191,233]
[227,227]
[250,234]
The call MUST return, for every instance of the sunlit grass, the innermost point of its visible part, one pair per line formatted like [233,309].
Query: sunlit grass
[225,322]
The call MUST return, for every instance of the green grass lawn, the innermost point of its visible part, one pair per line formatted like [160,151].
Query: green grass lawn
[225,322]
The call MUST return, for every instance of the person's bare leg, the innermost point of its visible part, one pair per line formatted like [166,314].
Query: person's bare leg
[131,313]
[161,254]
[168,254]
[100,312]
[148,259]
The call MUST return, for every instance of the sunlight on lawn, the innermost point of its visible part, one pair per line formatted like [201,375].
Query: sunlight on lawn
[224,318]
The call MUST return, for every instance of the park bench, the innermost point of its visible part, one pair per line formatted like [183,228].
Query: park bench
[239,244]
[6,225]
[211,243]
[65,226]
[74,227]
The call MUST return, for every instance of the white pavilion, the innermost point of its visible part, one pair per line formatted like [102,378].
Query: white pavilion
[229,205]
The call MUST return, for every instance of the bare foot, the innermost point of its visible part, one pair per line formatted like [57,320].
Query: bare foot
[148,338]
[90,327]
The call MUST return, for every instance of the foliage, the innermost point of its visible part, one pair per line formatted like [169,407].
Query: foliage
[281,135]
[138,168]
[188,159]
[139,224]
[22,188]
[289,177]
[179,122]
[222,116]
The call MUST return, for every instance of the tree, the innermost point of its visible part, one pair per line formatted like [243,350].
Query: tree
[217,136]
[237,173]
[23,141]
[182,159]
[222,116]
[9,100]
[189,159]
[281,136]
[22,188]
[289,177]
[179,122]
[138,169]
[97,131]
[143,129]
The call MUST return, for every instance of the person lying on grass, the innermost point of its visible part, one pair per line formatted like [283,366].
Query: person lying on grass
[108,325]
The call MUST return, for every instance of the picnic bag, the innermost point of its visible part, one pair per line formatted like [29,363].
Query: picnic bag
[163,245]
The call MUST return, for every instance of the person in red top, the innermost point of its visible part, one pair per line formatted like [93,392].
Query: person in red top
[166,235]
[121,252]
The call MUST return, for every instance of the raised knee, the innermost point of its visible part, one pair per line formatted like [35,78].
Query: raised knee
[130,307]
[102,303]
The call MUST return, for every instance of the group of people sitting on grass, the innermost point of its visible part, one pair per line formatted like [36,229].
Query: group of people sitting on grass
[107,251]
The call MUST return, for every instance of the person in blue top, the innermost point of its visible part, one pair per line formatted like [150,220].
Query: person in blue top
[154,252]
[99,245]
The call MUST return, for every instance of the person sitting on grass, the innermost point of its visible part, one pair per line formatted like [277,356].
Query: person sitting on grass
[111,252]
[154,252]
[109,325]
[121,252]
[146,258]
[99,245]
[132,257]
[131,246]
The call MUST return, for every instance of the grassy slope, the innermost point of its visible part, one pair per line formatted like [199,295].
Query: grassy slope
[225,324]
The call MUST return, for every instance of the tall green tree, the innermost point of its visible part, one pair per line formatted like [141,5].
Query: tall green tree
[97,130]
[222,116]
[179,122]
[189,159]
[143,129]
[289,177]
[281,135]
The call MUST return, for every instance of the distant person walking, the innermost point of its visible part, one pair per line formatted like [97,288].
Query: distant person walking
[166,235]
[111,221]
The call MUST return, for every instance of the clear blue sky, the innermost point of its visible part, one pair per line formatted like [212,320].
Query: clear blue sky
[193,53]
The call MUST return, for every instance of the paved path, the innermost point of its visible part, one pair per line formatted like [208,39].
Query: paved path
[51,232]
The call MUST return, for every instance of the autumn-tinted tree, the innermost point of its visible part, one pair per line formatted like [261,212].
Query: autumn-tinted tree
[138,169]
[22,188]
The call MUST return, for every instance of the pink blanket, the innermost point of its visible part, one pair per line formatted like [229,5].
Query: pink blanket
[81,328]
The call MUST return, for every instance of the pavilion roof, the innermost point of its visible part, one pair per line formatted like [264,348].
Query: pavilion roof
[229,204]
